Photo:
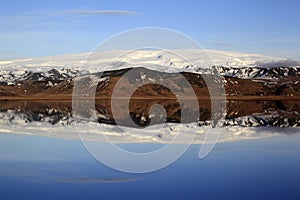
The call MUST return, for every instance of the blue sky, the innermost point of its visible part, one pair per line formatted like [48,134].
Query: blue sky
[43,28]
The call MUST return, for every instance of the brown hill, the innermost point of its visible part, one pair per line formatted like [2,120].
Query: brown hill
[233,87]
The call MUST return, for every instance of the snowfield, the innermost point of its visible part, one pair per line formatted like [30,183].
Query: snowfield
[187,59]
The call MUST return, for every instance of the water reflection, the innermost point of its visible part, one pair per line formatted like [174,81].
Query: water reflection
[238,113]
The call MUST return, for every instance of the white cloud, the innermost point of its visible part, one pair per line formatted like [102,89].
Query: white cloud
[279,63]
[100,12]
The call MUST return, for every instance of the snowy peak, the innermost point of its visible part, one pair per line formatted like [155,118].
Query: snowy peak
[175,59]
[13,77]
[253,72]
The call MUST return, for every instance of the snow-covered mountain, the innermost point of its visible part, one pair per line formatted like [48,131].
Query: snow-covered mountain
[12,77]
[231,64]
[253,72]
[178,59]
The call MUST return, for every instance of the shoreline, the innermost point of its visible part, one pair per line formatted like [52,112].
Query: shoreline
[205,98]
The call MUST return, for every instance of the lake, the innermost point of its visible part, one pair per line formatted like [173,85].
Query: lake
[44,155]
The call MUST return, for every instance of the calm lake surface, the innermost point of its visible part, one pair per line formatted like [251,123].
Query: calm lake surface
[261,162]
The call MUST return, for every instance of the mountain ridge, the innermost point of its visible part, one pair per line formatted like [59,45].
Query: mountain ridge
[281,81]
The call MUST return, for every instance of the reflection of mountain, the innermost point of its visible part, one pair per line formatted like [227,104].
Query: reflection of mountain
[238,113]
[30,111]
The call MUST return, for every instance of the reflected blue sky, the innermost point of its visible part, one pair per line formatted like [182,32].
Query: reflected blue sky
[35,167]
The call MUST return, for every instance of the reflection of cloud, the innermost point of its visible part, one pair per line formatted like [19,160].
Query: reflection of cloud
[280,63]
[100,12]
[109,180]
[281,130]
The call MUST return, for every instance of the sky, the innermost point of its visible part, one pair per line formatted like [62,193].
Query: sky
[35,28]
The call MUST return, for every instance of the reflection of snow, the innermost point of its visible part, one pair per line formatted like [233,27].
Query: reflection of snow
[163,133]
